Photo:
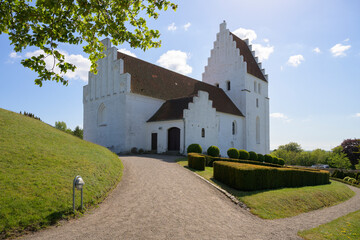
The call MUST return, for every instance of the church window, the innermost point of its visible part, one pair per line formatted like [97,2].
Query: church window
[233,128]
[203,132]
[257,102]
[259,91]
[228,85]
[257,130]
[101,116]
[254,86]
[217,84]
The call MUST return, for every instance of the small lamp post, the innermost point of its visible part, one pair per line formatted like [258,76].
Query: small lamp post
[78,184]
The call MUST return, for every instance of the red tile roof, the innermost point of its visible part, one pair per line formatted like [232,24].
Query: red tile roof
[150,80]
[252,66]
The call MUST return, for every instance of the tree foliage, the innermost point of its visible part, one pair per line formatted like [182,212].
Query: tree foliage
[61,126]
[45,24]
[351,149]
[292,147]
[78,132]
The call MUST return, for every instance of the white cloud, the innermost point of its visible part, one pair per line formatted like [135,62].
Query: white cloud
[172,27]
[175,60]
[357,115]
[82,64]
[346,40]
[261,51]
[124,50]
[316,50]
[186,26]
[339,50]
[14,55]
[280,116]
[295,60]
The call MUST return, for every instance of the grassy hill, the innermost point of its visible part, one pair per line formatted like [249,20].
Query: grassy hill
[37,166]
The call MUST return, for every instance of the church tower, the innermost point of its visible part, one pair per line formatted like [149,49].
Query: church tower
[232,66]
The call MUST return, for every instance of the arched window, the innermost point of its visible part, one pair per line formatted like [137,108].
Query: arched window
[255,86]
[101,116]
[233,127]
[203,132]
[257,130]
[228,85]
[259,89]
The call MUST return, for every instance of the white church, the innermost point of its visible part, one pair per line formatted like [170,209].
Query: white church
[133,103]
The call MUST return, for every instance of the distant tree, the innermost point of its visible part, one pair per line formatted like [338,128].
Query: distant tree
[350,148]
[292,147]
[78,132]
[338,159]
[61,126]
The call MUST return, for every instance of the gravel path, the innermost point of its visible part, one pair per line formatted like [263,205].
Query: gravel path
[159,199]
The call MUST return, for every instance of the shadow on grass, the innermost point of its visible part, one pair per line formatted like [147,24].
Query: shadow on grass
[56,216]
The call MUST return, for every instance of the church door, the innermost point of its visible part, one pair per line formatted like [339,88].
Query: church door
[174,139]
[154,141]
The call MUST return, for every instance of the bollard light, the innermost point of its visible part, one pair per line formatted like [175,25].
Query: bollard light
[78,183]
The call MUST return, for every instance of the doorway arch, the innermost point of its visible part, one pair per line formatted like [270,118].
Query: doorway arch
[174,139]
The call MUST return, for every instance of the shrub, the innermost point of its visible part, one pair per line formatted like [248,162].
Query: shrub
[253,177]
[253,156]
[213,151]
[260,157]
[194,148]
[281,162]
[141,151]
[268,158]
[134,150]
[196,161]
[275,160]
[243,154]
[210,160]
[233,153]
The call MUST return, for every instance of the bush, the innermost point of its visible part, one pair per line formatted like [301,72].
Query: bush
[134,150]
[194,148]
[196,161]
[275,160]
[268,158]
[233,153]
[141,151]
[243,154]
[248,177]
[213,151]
[253,156]
[260,157]
[281,162]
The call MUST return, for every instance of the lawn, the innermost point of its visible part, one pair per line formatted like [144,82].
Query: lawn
[346,227]
[37,166]
[285,202]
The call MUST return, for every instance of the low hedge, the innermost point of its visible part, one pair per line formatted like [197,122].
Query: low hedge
[210,160]
[250,177]
[196,161]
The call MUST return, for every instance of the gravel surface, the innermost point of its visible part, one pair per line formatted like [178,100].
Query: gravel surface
[159,199]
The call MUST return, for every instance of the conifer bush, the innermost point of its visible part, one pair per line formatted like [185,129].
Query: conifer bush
[213,151]
[253,156]
[243,154]
[275,160]
[260,157]
[233,153]
[281,162]
[268,158]
[194,148]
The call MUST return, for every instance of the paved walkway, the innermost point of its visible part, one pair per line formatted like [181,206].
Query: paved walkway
[159,199]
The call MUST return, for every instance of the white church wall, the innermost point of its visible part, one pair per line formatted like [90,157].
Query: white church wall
[201,115]
[226,137]
[161,128]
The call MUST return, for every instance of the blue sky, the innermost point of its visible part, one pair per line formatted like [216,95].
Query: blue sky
[310,49]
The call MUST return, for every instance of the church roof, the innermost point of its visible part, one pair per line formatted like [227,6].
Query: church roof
[252,65]
[171,109]
[153,81]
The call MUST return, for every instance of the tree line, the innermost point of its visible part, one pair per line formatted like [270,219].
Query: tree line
[78,132]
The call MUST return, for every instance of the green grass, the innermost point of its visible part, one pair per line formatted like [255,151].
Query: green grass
[37,166]
[285,202]
[346,227]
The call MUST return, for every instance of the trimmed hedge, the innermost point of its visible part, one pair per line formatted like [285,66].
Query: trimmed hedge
[243,154]
[196,161]
[253,156]
[233,153]
[281,162]
[251,177]
[260,157]
[194,148]
[213,151]
[210,160]
[268,158]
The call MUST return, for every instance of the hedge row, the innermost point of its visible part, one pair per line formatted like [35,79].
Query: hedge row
[250,177]
[196,161]
[210,160]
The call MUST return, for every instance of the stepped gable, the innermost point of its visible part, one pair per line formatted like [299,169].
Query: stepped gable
[252,65]
[153,81]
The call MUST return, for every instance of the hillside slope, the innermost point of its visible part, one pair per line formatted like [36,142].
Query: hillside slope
[37,166]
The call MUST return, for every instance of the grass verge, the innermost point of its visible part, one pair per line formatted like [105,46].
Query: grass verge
[346,227]
[37,166]
[285,202]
